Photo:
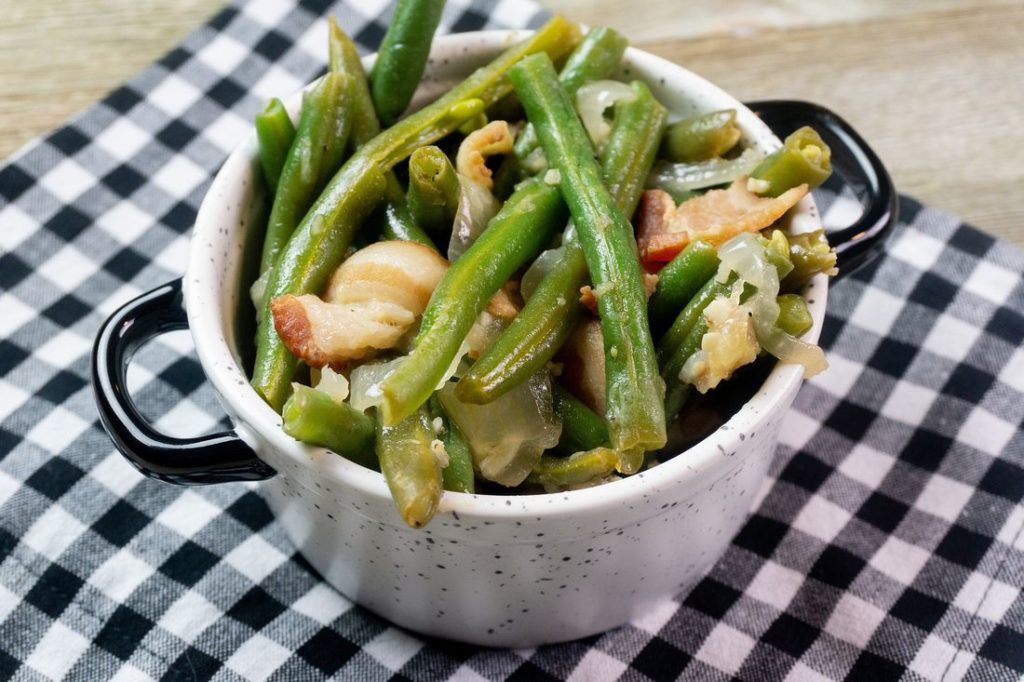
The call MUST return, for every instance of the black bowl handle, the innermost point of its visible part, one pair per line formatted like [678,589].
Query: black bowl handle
[217,458]
[856,164]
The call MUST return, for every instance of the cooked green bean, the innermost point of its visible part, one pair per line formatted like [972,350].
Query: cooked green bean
[701,138]
[402,57]
[523,226]
[794,319]
[320,140]
[540,328]
[810,254]
[679,281]
[629,152]
[582,428]
[635,394]
[534,335]
[344,57]
[433,189]
[690,315]
[394,220]
[319,243]
[458,475]
[314,417]
[597,56]
[777,253]
[581,467]
[275,133]
[410,466]
[794,316]
[804,158]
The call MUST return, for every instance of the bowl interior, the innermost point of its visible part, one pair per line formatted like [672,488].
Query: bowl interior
[223,260]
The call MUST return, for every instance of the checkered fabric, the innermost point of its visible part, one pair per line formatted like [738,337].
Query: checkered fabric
[888,542]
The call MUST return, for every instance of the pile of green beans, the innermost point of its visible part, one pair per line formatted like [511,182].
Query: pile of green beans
[635,392]
[547,320]
[318,244]
[515,236]
[335,187]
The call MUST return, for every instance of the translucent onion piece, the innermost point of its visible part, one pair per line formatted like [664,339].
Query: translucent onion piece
[535,161]
[593,99]
[364,383]
[333,384]
[677,178]
[538,270]
[508,434]
[484,332]
[476,208]
[745,256]
[257,292]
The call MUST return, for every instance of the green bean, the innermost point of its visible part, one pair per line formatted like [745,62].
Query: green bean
[534,335]
[410,467]
[691,314]
[794,316]
[680,280]
[402,57]
[319,243]
[275,134]
[676,395]
[581,426]
[458,476]
[701,138]
[433,189]
[344,58]
[581,467]
[540,328]
[635,394]
[810,254]
[314,417]
[777,254]
[393,218]
[523,226]
[674,366]
[804,158]
[505,178]
[320,140]
[597,56]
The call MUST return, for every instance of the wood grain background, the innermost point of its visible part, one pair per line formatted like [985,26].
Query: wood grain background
[936,86]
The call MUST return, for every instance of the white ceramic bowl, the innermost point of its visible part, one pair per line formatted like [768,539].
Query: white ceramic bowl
[490,569]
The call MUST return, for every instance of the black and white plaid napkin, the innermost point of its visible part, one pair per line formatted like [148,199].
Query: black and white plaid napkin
[888,543]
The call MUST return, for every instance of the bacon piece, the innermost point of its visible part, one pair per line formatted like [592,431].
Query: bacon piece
[471,160]
[331,333]
[371,302]
[664,229]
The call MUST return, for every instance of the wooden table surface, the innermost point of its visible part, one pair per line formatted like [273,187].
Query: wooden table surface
[936,86]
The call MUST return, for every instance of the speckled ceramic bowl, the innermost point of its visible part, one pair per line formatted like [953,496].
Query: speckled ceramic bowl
[489,569]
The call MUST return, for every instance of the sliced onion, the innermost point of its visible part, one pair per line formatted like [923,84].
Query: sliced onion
[677,178]
[258,291]
[535,161]
[365,383]
[508,434]
[333,384]
[484,332]
[476,208]
[745,256]
[538,270]
[593,99]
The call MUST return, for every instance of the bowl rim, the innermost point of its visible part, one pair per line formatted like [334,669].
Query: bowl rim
[257,424]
